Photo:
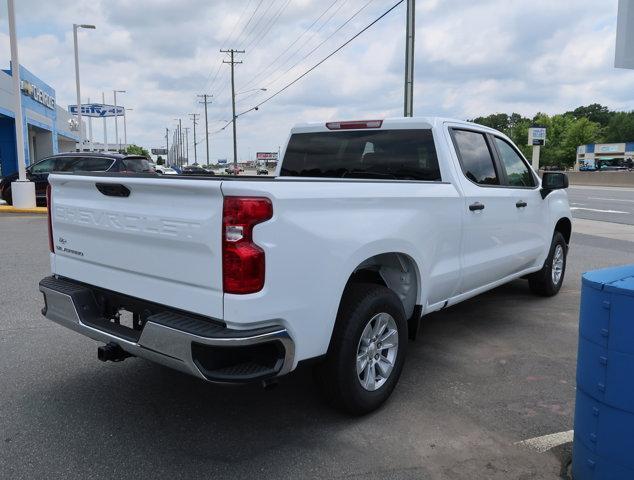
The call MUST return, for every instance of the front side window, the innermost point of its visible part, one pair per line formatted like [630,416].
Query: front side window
[380,154]
[476,158]
[517,172]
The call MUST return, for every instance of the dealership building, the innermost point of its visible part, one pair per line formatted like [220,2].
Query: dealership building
[605,153]
[46,126]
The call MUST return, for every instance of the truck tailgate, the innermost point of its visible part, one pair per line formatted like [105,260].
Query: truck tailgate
[161,242]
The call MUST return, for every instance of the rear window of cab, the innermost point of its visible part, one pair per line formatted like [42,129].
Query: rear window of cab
[368,154]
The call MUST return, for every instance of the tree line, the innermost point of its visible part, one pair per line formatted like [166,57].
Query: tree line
[594,123]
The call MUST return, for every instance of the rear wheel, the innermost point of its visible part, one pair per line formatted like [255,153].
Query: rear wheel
[547,282]
[367,350]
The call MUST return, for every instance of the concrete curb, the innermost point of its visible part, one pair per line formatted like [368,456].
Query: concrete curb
[11,209]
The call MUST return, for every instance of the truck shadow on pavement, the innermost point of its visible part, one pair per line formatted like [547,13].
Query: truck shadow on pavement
[141,416]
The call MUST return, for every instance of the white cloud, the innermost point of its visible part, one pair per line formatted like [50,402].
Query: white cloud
[472,58]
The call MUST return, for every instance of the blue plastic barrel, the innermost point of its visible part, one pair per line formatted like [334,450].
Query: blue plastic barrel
[604,413]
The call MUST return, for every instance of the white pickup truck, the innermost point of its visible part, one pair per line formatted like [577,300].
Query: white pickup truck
[366,227]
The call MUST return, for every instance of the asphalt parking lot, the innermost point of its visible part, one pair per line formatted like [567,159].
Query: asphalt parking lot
[484,375]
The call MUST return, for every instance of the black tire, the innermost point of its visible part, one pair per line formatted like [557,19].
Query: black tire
[542,283]
[337,375]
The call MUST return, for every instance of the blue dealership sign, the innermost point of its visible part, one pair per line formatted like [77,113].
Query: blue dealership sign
[98,110]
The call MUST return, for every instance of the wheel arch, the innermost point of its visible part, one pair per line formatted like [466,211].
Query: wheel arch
[395,270]
[564,226]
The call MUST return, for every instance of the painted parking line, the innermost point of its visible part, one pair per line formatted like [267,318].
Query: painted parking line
[597,210]
[546,442]
[611,199]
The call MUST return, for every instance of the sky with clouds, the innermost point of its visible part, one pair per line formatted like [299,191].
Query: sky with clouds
[472,58]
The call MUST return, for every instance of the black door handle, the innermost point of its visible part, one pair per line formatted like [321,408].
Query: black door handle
[113,189]
[476,206]
[521,204]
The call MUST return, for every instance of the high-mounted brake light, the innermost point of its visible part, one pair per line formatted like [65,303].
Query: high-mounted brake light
[354,124]
[243,263]
[49,214]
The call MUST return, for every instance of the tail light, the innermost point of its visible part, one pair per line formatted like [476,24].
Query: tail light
[49,214]
[243,263]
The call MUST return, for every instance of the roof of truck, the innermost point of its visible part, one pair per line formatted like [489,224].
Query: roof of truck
[422,122]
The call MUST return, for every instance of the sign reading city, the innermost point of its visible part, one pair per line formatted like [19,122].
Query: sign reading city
[37,94]
[159,151]
[537,136]
[266,156]
[98,110]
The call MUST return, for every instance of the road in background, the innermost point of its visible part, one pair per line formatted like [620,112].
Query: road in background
[483,375]
[606,204]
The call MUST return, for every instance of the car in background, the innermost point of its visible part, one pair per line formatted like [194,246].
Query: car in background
[74,162]
[165,170]
[262,170]
[194,170]
[233,170]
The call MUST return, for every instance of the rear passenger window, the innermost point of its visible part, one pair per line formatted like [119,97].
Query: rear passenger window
[136,165]
[517,172]
[92,165]
[475,157]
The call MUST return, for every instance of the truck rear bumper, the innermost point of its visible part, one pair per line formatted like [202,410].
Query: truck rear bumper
[184,342]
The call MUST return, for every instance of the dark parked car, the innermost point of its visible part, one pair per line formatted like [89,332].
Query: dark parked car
[74,162]
[194,170]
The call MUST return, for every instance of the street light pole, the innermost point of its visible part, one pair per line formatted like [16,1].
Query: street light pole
[90,143]
[116,114]
[105,127]
[81,129]
[125,128]
[22,191]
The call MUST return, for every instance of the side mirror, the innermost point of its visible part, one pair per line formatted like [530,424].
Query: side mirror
[553,181]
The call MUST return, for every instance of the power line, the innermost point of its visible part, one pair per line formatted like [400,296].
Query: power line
[321,43]
[290,45]
[267,28]
[237,41]
[255,107]
[226,42]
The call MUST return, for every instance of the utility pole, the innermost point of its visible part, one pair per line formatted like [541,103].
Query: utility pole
[194,115]
[205,101]
[179,140]
[409,59]
[187,144]
[232,62]
[167,145]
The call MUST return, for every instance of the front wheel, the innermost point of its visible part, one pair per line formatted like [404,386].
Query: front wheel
[367,350]
[549,279]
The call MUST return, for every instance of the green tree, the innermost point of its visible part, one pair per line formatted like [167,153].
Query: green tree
[160,160]
[594,112]
[580,132]
[136,150]
[620,128]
